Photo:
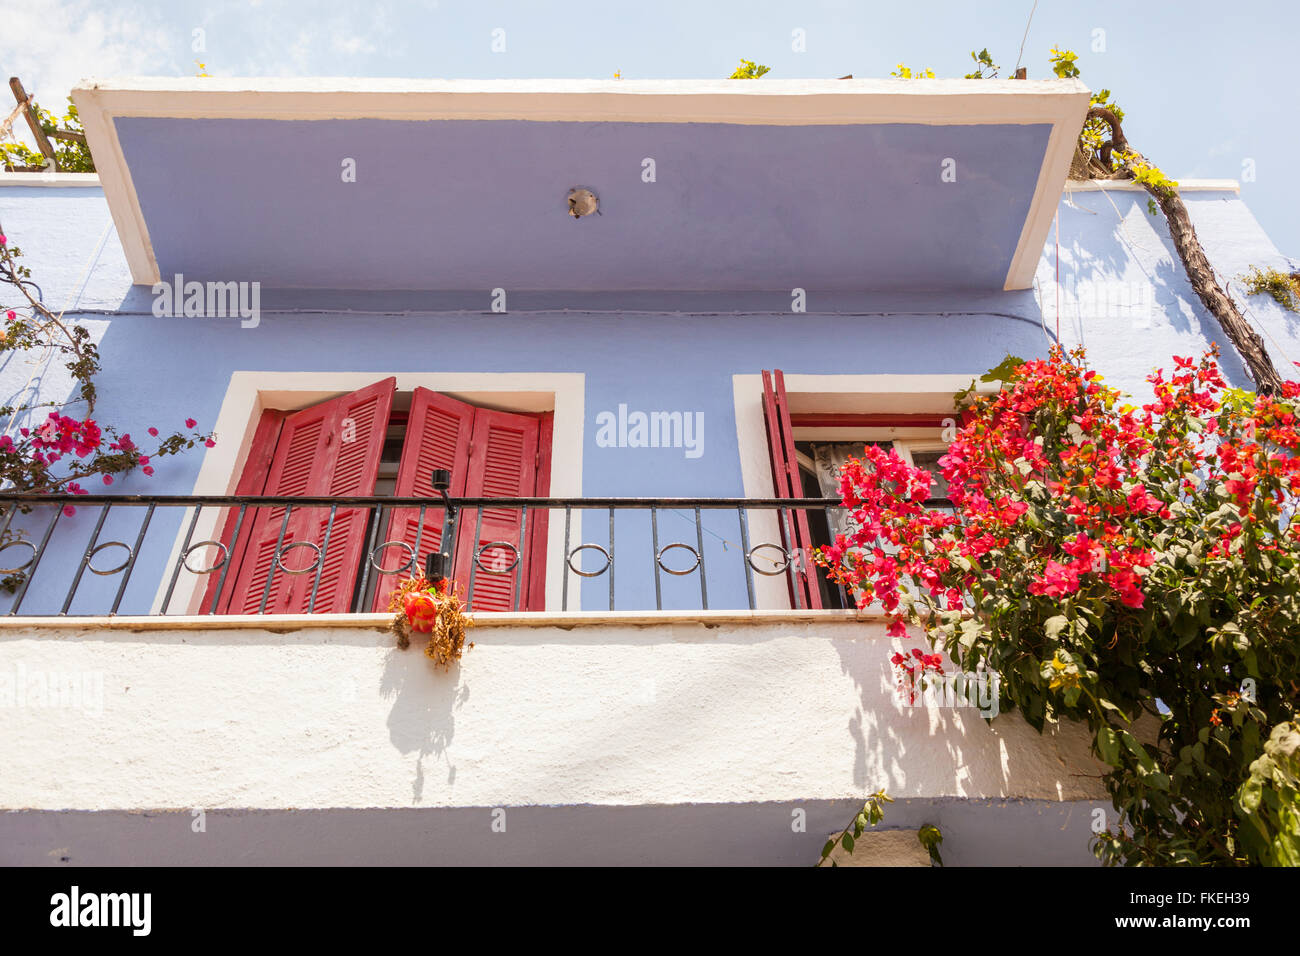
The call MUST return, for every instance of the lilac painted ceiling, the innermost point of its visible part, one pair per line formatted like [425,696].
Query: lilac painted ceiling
[480,204]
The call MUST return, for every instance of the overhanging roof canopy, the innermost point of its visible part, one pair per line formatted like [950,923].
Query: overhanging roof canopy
[723,185]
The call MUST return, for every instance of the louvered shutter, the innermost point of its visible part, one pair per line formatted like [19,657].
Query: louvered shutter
[538,520]
[795,535]
[331,449]
[437,436]
[252,481]
[502,464]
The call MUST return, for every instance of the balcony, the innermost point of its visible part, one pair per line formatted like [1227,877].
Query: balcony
[731,553]
[675,691]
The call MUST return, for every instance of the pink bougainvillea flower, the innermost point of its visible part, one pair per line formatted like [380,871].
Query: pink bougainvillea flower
[153,432]
[148,470]
[11,315]
[190,423]
[210,443]
[1058,580]
[108,479]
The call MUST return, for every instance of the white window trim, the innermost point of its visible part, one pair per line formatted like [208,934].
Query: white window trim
[823,394]
[250,393]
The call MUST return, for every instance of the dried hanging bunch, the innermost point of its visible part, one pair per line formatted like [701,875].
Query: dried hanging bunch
[431,609]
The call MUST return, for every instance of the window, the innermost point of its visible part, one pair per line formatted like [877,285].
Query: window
[376,441]
[807,452]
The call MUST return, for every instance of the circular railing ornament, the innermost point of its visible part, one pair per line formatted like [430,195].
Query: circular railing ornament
[590,547]
[785,558]
[185,557]
[90,558]
[407,565]
[26,564]
[281,552]
[490,546]
[659,558]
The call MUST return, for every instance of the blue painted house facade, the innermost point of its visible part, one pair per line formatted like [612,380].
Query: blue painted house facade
[354,284]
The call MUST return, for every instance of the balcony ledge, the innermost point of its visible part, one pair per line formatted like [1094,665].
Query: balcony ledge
[282,623]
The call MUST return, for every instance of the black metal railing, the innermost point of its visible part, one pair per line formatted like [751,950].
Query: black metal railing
[671,552]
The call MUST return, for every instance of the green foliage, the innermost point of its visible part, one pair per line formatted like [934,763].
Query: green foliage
[905,73]
[1133,570]
[930,838]
[1146,174]
[749,70]
[1063,63]
[1096,131]
[1285,289]
[872,812]
[985,68]
[1269,802]
[73,156]
[1097,134]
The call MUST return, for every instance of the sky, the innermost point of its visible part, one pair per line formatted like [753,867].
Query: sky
[1209,88]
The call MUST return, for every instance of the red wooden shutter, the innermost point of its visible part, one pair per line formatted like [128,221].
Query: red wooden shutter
[329,449]
[804,590]
[489,454]
[252,481]
[502,464]
[437,436]
[538,519]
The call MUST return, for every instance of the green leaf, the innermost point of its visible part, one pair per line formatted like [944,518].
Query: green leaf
[1108,746]
[1004,371]
[1053,626]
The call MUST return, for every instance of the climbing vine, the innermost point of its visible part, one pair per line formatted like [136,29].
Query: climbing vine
[69,446]
[1129,568]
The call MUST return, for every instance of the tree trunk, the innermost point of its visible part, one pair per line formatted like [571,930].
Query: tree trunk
[1246,340]
[1197,265]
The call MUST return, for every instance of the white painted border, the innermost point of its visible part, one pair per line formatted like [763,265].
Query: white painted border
[49,180]
[1060,103]
[1128,185]
[1042,209]
[249,393]
[824,394]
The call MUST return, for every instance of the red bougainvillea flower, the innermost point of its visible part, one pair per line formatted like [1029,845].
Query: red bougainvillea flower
[1058,580]
[210,443]
[108,479]
[153,432]
[1063,498]
[421,610]
[11,315]
[190,423]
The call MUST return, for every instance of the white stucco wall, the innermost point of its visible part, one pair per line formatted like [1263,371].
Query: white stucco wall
[719,708]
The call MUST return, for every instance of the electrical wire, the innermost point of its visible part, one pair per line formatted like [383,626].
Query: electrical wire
[1026,36]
